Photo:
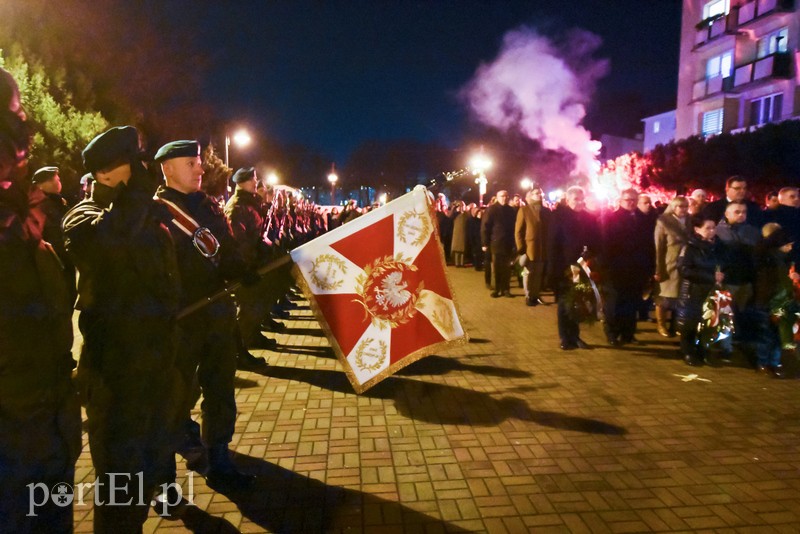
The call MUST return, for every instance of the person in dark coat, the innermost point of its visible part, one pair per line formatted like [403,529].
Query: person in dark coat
[497,236]
[787,215]
[628,257]
[128,297]
[474,237]
[208,257]
[735,189]
[572,232]
[40,419]
[700,265]
[774,282]
[54,206]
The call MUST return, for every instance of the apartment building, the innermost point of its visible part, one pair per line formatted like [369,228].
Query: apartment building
[738,65]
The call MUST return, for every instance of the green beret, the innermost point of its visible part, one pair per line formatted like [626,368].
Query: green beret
[243,175]
[113,146]
[44,174]
[177,149]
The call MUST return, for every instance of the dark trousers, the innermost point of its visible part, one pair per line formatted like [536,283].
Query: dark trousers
[621,309]
[568,329]
[501,267]
[487,267]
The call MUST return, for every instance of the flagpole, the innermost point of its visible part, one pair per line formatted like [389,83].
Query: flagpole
[228,289]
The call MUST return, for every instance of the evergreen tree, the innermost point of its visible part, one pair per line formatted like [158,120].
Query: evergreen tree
[60,130]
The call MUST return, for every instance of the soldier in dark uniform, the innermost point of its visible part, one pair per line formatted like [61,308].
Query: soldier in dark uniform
[54,206]
[40,432]
[249,219]
[128,299]
[207,256]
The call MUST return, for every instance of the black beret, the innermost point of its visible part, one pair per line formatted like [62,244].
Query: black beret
[243,175]
[112,146]
[177,149]
[44,174]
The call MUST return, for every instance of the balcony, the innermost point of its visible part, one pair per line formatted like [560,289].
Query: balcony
[711,86]
[712,28]
[777,65]
[757,8]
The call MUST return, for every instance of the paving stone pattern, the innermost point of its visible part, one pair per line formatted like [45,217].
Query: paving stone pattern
[504,434]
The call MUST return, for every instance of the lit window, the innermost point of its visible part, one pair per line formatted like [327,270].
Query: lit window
[774,42]
[712,122]
[715,7]
[721,65]
[766,109]
[656,126]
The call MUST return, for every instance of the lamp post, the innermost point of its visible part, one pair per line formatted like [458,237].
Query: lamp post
[479,164]
[241,138]
[333,178]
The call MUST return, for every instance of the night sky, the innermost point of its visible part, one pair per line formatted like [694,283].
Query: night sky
[333,74]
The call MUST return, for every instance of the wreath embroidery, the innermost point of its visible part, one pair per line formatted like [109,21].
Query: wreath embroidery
[377,357]
[404,225]
[328,280]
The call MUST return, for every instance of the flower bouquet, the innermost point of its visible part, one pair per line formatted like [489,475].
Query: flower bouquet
[582,298]
[717,320]
[785,314]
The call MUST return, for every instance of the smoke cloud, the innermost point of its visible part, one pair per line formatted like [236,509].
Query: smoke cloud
[541,88]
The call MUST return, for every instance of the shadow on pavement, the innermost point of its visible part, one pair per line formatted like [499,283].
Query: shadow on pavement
[443,404]
[284,501]
[244,383]
[304,332]
[322,352]
[439,365]
[201,522]
[478,340]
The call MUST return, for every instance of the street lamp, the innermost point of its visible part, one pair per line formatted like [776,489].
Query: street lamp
[526,184]
[272,179]
[333,178]
[241,138]
[479,164]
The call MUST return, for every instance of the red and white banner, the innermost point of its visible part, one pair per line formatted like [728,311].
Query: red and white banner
[379,289]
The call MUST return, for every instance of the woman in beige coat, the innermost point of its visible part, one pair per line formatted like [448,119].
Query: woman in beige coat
[672,231]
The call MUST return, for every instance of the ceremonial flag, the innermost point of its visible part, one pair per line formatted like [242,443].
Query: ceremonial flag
[379,289]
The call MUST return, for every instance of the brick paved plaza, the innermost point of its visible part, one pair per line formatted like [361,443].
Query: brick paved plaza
[504,434]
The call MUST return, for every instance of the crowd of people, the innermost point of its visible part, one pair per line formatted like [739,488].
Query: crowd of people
[642,259]
[146,244]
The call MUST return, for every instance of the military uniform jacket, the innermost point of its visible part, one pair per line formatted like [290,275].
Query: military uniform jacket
[35,312]
[246,213]
[201,276]
[129,282]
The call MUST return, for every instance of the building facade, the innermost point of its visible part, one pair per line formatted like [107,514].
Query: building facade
[658,130]
[738,65]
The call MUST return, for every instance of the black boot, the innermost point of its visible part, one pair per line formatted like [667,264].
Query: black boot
[223,473]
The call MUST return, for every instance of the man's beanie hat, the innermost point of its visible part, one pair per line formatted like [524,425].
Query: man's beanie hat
[243,175]
[115,145]
[44,174]
[177,149]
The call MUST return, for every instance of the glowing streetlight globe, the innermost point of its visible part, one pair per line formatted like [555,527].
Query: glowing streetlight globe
[526,183]
[382,198]
[272,179]
[333,178]
[480,163]
[242,138]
